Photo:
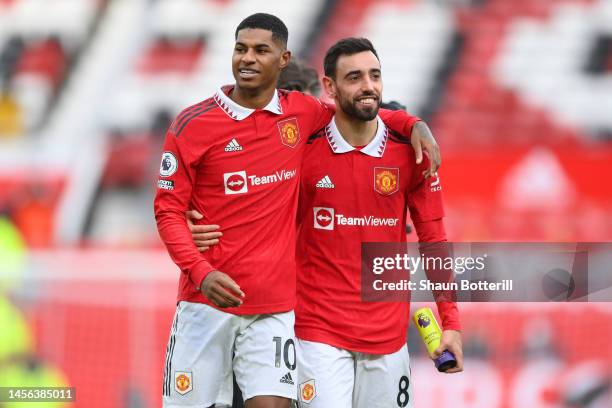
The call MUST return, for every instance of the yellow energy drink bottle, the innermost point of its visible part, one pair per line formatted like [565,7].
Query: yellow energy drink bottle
[431,334]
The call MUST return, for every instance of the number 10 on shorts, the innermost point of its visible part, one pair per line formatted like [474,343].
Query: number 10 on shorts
[287,348]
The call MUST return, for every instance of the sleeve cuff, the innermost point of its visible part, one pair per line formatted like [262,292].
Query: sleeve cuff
[449,314]
[410,125]
[199,272]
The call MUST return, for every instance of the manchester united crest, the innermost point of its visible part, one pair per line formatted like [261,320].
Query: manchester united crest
[289,132]
[386,180]
[308,391]
[182,382]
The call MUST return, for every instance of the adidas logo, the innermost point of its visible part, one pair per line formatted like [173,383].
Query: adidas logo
[325,182]
[233,146]
[287,379]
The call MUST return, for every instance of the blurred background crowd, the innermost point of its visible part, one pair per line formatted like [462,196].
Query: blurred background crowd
[518,94]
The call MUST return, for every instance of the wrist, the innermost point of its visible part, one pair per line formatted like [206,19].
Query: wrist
[199,271]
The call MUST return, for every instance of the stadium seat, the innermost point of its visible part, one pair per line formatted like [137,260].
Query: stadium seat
[167,55]
[46,59]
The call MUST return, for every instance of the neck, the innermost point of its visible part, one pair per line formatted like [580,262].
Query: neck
[356,132]
[252,98]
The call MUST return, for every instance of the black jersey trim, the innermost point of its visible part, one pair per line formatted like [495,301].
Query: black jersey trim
[398,137]
[186,113]
[195,114]
[316,135]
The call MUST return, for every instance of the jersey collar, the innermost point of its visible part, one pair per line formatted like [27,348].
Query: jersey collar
[238,112]
[375,148]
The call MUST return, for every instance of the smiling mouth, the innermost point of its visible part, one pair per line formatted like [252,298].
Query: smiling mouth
[367,101]
[247,73]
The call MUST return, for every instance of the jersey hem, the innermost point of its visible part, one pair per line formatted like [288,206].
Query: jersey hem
[243,310]
[289,395]
[321,336]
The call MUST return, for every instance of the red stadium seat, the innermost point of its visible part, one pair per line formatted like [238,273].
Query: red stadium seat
[171,56]
[129,161]
[45,58]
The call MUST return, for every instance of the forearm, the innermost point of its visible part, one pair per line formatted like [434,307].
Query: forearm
[176,236]
[433,245]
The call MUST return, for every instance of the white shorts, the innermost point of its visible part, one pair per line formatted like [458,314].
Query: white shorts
[207,346]
[333,377]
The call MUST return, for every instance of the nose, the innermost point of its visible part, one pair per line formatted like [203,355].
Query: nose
[249,56]
[367,85]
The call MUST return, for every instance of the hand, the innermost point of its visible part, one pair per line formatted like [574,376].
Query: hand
[221,290]
[204,236]
[420,139]
[451,341]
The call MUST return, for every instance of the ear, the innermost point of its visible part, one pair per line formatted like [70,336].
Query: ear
[285,59]
[330,87]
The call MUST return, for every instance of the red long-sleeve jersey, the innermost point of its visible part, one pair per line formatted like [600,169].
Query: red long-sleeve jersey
[350,196]
[240,168]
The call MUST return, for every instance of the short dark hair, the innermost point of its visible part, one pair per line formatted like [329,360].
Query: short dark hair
[268,22]
[392,105]
[346,46]
[298,77]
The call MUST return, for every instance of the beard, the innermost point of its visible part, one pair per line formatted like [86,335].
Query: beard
[352,108]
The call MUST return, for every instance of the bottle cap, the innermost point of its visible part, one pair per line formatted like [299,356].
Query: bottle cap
[445,361]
